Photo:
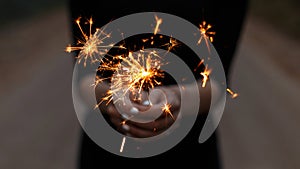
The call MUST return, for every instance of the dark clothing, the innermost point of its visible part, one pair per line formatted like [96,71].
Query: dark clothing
[226,19]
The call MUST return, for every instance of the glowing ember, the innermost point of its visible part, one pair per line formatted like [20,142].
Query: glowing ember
[166,109]
[205,75]
[199,64]
[158,22]
[233,94]
[206,34]
[172,44]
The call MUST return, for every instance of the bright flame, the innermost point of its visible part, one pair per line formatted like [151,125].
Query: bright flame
[233,94]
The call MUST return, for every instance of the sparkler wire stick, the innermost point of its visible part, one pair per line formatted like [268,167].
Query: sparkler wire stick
[122,144]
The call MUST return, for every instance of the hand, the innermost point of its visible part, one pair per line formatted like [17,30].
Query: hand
[133,118]
[154,127]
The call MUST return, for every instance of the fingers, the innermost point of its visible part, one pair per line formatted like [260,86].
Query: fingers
[131,130]
[160,124]
[143,130]
[110,110]
[165,95]
[139,97]
[140,132]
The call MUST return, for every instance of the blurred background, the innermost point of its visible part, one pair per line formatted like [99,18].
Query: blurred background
[38,125]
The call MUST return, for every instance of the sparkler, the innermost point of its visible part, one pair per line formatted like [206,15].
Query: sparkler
[206,34]
[139,72]
[91,46]
[135,72]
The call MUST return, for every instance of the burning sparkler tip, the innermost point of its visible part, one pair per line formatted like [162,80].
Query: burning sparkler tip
[91,20]
[232,93]
[68,49]
[206,33]
[78,20]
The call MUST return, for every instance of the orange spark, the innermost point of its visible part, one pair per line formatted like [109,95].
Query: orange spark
[158,22]
[166,109]
[98,80]
[123,122]
[172,44]
[205,75]
[233,94]
[199,64]
[107,98]
[206,34]
[145,40]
